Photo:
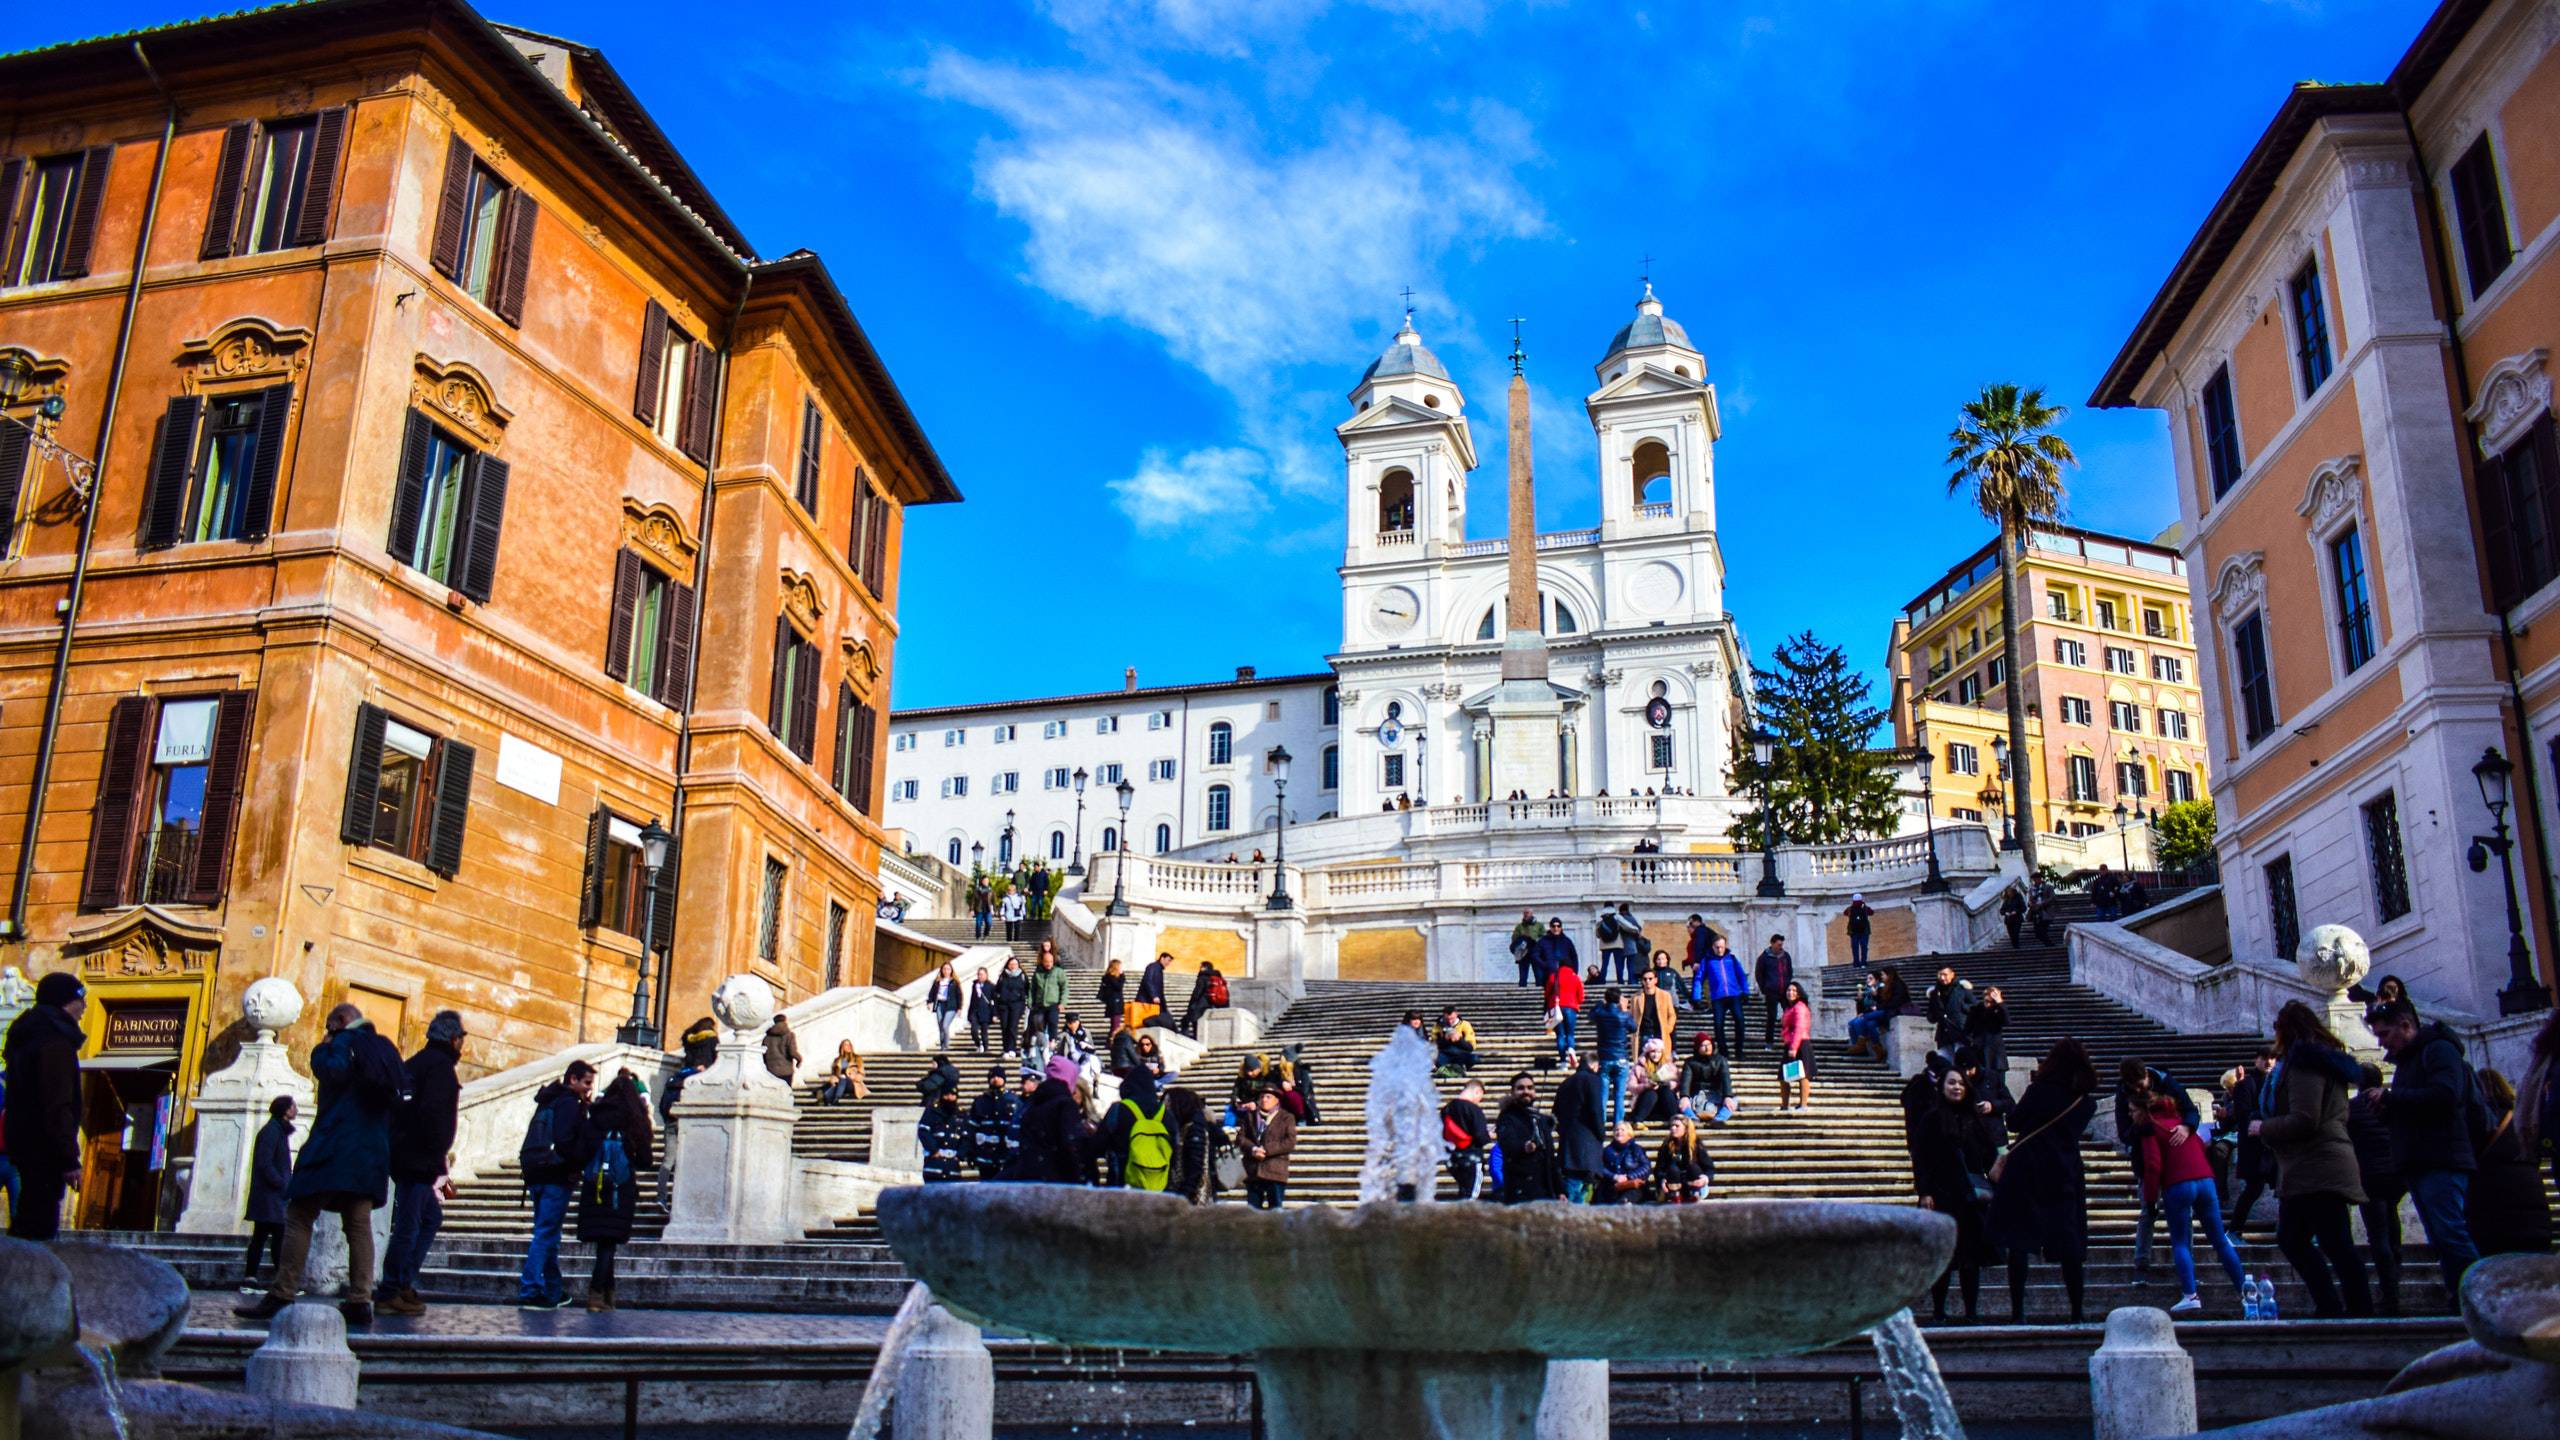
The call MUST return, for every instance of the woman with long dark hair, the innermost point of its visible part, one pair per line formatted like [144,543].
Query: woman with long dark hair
[609,1194]
[1795,1055]
[2318,1184]
[1953,1142]
[2039,1190]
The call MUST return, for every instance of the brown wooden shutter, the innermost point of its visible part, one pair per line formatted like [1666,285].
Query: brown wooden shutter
[662,923]
[484,492]
[804,700]
[653,364]
[364,777]
[446,253]
[866,740]
[409,493]
[812,450]
[844,722]
[514,265]
[702,393]
[875,559]
[774,719]
[617,629]
[275,406]
[454,761]
[591,890]
[853,540]
[230,178]
[675,678]
[16,441]
[10,170]
[164,499]
[211,872]
[83,232]
[120,775]
[328,139]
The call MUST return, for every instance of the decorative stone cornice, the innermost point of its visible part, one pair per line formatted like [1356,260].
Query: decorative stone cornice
[2335,492]
[2240,586]
[144,943]
[244,349]
[460,394]
[2514,393]
[800,601]
[861,663]
[658,531]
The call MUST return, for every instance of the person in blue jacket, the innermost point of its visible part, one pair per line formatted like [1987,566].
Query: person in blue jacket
[1728,996]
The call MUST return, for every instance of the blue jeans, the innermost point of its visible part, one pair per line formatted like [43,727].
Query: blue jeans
[1858,948]
[1868,1027]
[541,1277]
[1564,1030]
[1714,1112]
[1731,1007]
[1577,1189]
[1613,1080]
[2440,1196]
[416,1216]
[2198,1201]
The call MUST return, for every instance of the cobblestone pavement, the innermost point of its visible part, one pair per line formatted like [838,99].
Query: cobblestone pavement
[211,1311]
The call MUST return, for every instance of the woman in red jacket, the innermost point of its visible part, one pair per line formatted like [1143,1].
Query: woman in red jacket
[1564,1000]
[2176,1171]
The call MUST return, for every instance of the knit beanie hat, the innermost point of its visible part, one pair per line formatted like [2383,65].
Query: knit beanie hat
[1064,1070]
[59,988]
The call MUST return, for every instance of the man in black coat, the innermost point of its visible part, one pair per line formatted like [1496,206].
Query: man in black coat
[43,1056]
[270,1171]
[1464,1116]
[1527,1141]
[1771,973]
[421,1151]
[1949,1004]
[994,1121]
[1582,1127]
[558,1144]
[345,1165]
[2435,1110]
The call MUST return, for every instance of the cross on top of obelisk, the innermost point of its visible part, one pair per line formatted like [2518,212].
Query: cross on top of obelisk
[1518,355]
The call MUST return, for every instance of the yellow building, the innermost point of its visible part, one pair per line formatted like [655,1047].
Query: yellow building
[2107,656]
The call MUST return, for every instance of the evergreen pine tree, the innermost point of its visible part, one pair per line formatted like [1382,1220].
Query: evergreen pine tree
[1825,785]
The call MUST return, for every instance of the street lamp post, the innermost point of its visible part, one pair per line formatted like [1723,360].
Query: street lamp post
[1278,764]
[1004,843]
[2525,993]
[2000,757]
[1764,753]
[2124,839]
[1995,800]
[1120,869]
[977,857]
[1936,881]
[1075,866]
[654,840]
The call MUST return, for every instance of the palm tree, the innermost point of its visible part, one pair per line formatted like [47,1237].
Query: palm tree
[2005,449]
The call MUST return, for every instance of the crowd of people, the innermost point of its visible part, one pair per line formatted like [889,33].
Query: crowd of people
[1028,893]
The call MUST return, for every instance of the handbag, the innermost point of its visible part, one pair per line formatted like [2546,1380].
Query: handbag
[1228,1168]
[2000,1164]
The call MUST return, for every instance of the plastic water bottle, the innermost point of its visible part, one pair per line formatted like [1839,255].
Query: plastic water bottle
[2249,1303]
[2267,1298]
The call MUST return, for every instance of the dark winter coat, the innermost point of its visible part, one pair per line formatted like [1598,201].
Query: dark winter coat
[270,1171]
[2506,1208]
[2305,1130]
[1674,1168]
[2370,1133]
[943,995]
[1013,990]
[1528,1143]
[982,1002]
[43,1056]
[1110,993]
[1277,1134]
[1986,1029]
[569,1135]
[606,1210]
[942,1133]
[1708,1075]
[349,1149]
[1623,1162]
[422,1128]
[2430,1104]
[1470,1118]
[782,1052]
[1948,1008]
[1772,971]
[2247,1101]
[2041,1201]
[993,1136]
[1950,1144]
[1553,952]
[1057,1146]
[1151,984]
[1582,1123]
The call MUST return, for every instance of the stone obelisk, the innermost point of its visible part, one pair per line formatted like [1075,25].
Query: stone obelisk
[1528,718]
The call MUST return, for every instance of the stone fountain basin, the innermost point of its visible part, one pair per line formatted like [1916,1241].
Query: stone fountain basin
[1719,1281]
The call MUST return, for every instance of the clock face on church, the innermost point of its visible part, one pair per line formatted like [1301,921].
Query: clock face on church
[1393,611]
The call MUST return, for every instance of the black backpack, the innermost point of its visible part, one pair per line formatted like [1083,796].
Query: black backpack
[541,1148]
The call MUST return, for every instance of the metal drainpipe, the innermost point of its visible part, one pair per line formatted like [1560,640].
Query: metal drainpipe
[51,728]
[2527,763]
[693,681]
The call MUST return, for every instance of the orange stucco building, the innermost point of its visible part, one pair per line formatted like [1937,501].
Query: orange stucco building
[2352,357]
[470,496]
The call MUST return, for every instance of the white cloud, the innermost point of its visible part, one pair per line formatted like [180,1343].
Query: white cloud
[1232,27]
[1218,488]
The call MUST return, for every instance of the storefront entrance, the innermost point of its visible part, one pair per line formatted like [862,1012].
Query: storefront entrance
[149,976]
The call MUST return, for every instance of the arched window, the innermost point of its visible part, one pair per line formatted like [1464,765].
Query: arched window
[1651,471]
[1004,848]
[1484,630]
[1222,744]
[1554,618]
[951,850]
[1333,767]
[1057,844]
[1110,838]
[1565,622]
[1395,503]
[1164,838]
[1333,704]
[1220,803]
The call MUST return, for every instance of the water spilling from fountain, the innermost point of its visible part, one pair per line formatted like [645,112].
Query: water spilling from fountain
[1405,1145]
[101,1363]
[1911,1378]
[882,1388]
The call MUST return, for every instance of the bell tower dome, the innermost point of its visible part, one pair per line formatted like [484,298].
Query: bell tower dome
[1406,451]
[1655,417]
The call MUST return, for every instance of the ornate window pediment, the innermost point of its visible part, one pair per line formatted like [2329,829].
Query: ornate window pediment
[2334,495]
[461,395]
[2514,393]
[861,664]
[2240,586]
[144,943]
[658,532]
[800,601]
[244,349]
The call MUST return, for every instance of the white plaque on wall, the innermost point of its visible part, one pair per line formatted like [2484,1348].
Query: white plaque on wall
[525,766]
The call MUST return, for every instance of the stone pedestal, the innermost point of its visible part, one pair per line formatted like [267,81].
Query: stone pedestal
[231,1109]
[1233,1025]
[1907,1043]
[893,1137]
[946,1382]
[305,1360]
[1280,947]
[1528,734]
[734,1177]
[2141,1382]
[1576,1405]
[325,1273]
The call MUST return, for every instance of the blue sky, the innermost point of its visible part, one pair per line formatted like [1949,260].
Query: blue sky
[1126,258]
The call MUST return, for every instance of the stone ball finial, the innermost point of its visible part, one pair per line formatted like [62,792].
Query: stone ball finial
[743,1002]
[270,1005]
[2331,958]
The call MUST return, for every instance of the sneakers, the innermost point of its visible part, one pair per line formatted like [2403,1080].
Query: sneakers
[544,1302]
[2141,1274]
[2188,1306]
[358,1312]
[403,1301]
[265,1307]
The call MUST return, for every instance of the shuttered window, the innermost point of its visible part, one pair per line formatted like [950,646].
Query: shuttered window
[677,384]
[274,184]
[2310,328]
[2221,431]
[615,895]
[2256,685]
[2519,498]
[484,233]
[649,639]
[813,439]
[836,925]
[49,215]
[867,548]
[791,711]
[448,509]
[168,805]
[408,791]
[2480,215]
[777,877]
[213,467]
[857,741]
[17,449]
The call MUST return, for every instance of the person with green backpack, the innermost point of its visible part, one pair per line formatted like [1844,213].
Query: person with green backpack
[1139,1135]
[609,1192]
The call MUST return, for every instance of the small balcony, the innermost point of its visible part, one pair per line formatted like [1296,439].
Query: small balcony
[1395,537]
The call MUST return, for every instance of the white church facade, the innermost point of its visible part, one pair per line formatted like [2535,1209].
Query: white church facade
[1632,612]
